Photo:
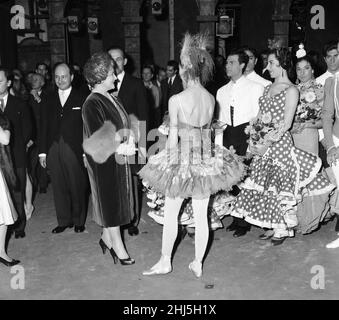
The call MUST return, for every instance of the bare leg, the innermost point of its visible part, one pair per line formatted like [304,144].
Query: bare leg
[29,195]
[116,241]
[106,238]
[3,254]
[201,234]
[169,234]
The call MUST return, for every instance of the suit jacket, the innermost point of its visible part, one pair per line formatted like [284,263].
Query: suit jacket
[65,122]
[36,108]
[18,113]
[167,92]
[133,96]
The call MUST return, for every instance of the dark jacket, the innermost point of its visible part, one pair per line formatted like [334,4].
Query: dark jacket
[19,116]
[65,122]
[133,96]
[36,108]
[168,92]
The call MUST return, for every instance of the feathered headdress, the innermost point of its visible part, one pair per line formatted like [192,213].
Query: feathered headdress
[195,59]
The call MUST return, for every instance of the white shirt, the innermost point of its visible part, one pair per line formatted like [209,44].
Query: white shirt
[171,80]
[322,79]
[5,98]
[120,77]
[64,94]
[244,96]
[253,76]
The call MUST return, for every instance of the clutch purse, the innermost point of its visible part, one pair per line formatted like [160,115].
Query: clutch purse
[102,143]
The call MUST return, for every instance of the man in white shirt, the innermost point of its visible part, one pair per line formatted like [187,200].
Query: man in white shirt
[331,57]
[249,72]
[238,103]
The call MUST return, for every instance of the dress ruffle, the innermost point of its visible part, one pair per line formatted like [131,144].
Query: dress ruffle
[195,174]
[277,184]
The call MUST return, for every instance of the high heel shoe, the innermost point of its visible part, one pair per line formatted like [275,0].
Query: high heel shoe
[196,271]
[125,262]
[103,246]
[9,263]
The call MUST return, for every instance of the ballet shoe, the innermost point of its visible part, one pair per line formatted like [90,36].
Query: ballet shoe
[333,245]
[157,271]
[196,271]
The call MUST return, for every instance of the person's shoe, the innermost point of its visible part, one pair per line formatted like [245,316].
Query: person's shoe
[9,263]
[231,227]
[79,229]
[240,231]
[133,231]
[267,235]
[157,271]
[60,229]
[103,246]
[278,241]
[19,234]
[125,262]
[333,245]
[196,268]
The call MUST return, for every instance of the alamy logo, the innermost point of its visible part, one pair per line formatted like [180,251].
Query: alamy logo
[18,20]
[318,280]
[318,20]
[18,280]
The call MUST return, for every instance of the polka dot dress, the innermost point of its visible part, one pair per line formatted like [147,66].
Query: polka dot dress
[271,192]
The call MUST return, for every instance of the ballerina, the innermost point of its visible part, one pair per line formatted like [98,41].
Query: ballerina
[190,168]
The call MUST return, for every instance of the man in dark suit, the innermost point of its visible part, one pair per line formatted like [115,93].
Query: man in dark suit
[133,96]
[61,145]
[17,112]
[170,86]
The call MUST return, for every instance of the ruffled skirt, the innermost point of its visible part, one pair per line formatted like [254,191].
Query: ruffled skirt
[193,174]
[279,180]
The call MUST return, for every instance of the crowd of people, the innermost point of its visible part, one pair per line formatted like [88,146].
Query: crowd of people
[262,127]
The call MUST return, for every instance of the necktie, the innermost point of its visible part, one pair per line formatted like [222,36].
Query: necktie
[232,115]
[169,84]
[116,86]
[2,104]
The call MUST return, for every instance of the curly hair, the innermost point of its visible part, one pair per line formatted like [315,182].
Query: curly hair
[97,68]
[306,58]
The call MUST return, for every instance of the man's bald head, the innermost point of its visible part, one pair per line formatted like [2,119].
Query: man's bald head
[63,76]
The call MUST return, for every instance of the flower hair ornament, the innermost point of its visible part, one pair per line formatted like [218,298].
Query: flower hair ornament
[194,57]
[301,52]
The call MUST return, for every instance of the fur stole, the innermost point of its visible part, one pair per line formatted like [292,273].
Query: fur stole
[102,143]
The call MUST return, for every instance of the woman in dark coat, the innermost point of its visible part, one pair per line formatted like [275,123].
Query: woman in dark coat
[108,170]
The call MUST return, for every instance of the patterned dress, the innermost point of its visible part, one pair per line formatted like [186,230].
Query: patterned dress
[278,179]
